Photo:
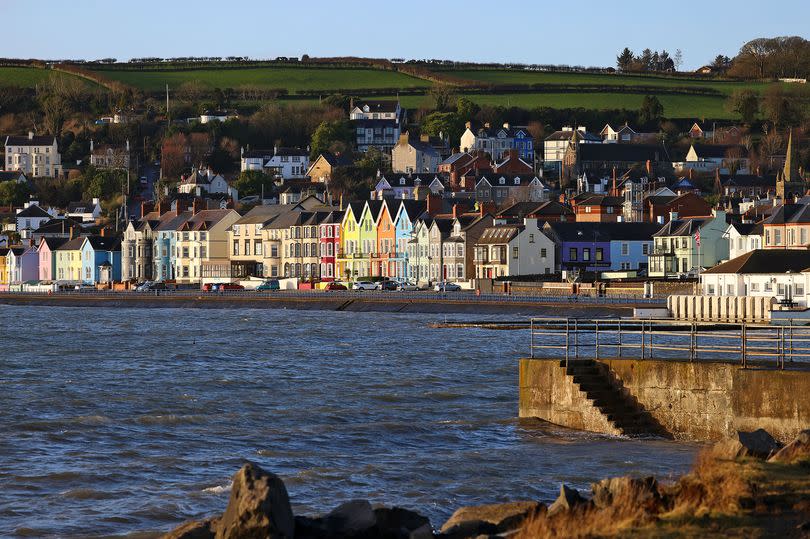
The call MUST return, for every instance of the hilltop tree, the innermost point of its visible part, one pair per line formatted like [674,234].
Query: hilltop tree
[442,96]
[466,108]
[334,136]
[446,124]
[678,60]
[624,61]
[783,106]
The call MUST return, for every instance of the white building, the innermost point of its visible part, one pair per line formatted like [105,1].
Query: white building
[288,163]
[556,144]
[513,249]
[36,156]
[254,160]
[30,217]
[84,211]
[783,274]
[203,182]
[217,116]
[743,238]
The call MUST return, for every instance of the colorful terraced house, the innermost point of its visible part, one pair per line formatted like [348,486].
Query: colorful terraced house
[101,259]
[350,253]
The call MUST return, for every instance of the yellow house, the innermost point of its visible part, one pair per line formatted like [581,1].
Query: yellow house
[3,268]
[367,238]
[201,245]
[69,260]
[350,253]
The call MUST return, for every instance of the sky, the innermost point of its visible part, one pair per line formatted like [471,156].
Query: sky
[580,32]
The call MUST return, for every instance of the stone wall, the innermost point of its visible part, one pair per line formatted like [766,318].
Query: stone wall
[694,401]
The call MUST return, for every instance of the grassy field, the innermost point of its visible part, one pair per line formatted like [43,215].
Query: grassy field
[538,77]
[25,77]
[293,79]
[675,106]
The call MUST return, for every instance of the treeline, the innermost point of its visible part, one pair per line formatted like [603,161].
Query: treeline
[648,61]
[776,57]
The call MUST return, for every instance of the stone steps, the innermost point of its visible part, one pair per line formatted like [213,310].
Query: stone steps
[621,410]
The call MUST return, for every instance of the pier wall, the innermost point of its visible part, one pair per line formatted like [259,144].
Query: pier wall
[694,401]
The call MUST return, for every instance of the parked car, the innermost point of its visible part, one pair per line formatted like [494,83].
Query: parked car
[157,286]
[230,286]
[407,286]
[364,285]
[269,284]
[387,285]
[142,287]
[84,287]
[334,286]
[446,286]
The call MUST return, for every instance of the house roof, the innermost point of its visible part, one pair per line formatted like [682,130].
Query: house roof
[6,175]
[57,225]
[33,211]
[104,243]
[53,243]
[338,160]
[681,227]
[264,214]
[290,152]
[748,229]
[637,153]
[604,232]
[718,151]
[568,135]
[72,245]
[378,105]
[24,140]
[601,200]
[539,209]
[789,213]
[457,158]
[766,261]
[81,207]
[500,234]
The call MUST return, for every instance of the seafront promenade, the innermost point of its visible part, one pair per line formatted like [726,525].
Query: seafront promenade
[348,300]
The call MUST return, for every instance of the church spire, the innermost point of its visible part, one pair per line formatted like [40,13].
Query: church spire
[788,173]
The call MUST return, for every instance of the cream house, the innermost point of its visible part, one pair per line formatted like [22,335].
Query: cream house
[414,156]
[201,245]
[514,249]
[36,156]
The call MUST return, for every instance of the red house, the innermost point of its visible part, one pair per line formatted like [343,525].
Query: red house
[329,243]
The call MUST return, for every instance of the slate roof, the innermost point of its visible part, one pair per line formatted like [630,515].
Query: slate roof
[72,245]
[104,243]
[499,234]
[80,207]
[33,211]
[454,158]
[57,226]
[717,151]
[340,160]
[523,209]
[264,214]
[638,153]
[23,140]
[573,232]
[567,135]
[680,227]
[789,213]
[53,243]
[748,229]
[378,105]
[601,200]
[766,261]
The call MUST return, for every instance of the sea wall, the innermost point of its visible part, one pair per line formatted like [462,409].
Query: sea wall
[695,401]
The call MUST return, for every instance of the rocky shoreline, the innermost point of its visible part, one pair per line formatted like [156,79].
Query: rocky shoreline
[748,486]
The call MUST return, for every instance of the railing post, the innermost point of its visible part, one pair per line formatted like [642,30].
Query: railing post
[576,338]
[642,339]
[650,340]
[744,344]
[620,337]
[531,338]
[597,338]
[791,342]
[567,339]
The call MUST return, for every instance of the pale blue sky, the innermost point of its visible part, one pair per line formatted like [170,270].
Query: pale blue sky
[582,32]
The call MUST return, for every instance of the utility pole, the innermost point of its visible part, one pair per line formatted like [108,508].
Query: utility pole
[168,118]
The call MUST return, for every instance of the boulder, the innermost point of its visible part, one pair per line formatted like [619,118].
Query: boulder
[198,529]
[639,492]
[355,518]
[259,507]
[399,523]
[798,449]
[569,499]
[468,529]
[503,516]
[757,444]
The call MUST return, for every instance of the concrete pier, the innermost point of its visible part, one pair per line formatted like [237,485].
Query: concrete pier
[700,400]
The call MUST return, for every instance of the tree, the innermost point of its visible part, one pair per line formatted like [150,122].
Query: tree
[446,124]
[624,61]
[678,60]
[651,110]
[442,95]
[783,106]
[466,108]
[250,182]
[745,103]
[721,63]
[13,193]
[330,136]
[646,60]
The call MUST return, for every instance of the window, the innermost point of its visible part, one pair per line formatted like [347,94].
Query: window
[542,253]
[236,248]
[531,238]
[599,254]
[777,237]
[799,289]
[768,286]
[514,252]
[754,287]
[572,254]
[586,254]
[710,289]
[625,249]
[645,248]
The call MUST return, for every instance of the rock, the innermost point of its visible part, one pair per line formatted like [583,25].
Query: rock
[468,529]
[198,529]
[798,449]
[396,523]
[569,499]
[757,444]
[639,492]
[504,516]
[351,519]
[259,507]
[422,532]
[309,528]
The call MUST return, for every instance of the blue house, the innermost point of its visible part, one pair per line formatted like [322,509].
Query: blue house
[101,259]
[404,218]
[164,253]
[602,246]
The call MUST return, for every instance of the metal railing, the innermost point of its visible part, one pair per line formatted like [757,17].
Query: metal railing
[573,339]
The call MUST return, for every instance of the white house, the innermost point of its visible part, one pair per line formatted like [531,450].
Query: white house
[85,211]
[556,144]
[36,156]
[288,163]
[30,217]
[217,116]
[783,274]
[254,160]
[404,186]
[743,238]
[513,249]
[712,157]
[203,182]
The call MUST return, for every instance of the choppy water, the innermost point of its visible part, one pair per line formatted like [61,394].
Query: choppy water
[115,421]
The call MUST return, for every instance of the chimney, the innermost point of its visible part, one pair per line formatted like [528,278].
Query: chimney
[690,173]
[146,207]
[486,207]
[455,211]
[468,125]
[434,204]
[615,192]
[72,232]
[102,232]
[649,168]
[506,125]
[196,206]
[30,135]
[486,124]
[91,145]
[424,138]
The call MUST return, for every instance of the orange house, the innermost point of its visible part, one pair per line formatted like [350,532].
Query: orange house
[386,241]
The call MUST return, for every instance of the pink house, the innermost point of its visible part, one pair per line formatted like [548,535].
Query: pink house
[329,238]
[47,262]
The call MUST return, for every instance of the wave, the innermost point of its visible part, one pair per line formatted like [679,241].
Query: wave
[218,489]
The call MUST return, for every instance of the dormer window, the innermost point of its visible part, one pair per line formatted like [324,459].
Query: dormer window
[402,181]
[502,181]
[517,181]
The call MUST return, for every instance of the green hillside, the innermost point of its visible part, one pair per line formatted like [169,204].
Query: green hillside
[292,78]
[25,77]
